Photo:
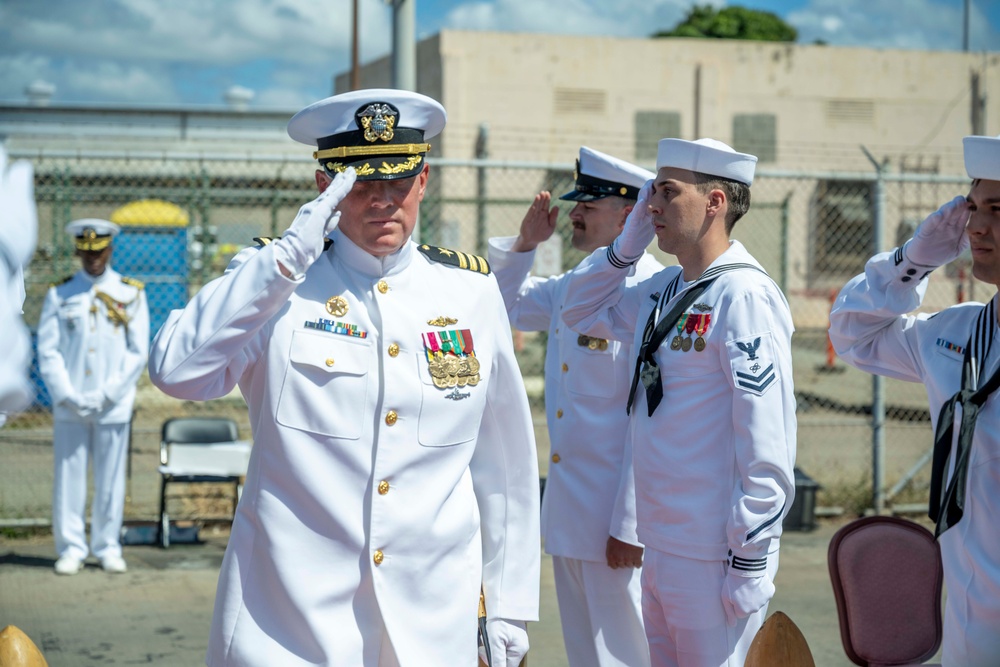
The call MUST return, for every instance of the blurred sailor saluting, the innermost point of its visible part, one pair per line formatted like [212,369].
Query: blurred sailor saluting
[93,340]
[393,470]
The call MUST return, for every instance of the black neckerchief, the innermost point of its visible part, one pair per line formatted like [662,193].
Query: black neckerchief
[947,504]
[655,332]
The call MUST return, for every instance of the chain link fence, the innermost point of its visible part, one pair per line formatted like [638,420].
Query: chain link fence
[185,216]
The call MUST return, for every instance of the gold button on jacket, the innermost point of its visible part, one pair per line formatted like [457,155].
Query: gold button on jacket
[390,417]
[393,350]
[383,487]
[382,286]
[329,362]
[556,458]
[378,557]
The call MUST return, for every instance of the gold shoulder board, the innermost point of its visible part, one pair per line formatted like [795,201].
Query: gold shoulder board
[138,284]
[456,258]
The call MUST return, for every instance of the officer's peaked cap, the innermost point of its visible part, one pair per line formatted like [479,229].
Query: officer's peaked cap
[982,157]
[599,175]
[92,234]
[380,132]
[706,156]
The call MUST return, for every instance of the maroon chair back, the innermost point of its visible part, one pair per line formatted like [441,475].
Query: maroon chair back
[886,574]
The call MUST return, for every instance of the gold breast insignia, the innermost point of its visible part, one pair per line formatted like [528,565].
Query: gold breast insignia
[337,306]
[442,321]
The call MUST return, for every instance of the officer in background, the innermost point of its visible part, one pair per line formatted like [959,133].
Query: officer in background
[394,470]
[588,510]
[18,231]
[713,411]
[954,353]
[93,341]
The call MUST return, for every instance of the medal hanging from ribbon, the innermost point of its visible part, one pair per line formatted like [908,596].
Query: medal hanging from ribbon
[678,340]
[701,327]
[451,358]
[690,320]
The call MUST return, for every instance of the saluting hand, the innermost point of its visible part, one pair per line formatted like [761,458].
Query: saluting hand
[303,242]
[538,225]
[941,238]
[622,554]
[639,231]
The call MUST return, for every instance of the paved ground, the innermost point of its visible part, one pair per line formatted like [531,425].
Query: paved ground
[159,612]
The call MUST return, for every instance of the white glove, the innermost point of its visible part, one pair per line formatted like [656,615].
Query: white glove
[17,203]
[743,595]
[941,238]
[79,404]
[94,401]
[508,642]
[638,232]
[302,244]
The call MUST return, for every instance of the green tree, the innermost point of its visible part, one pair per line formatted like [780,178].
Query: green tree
[732,22]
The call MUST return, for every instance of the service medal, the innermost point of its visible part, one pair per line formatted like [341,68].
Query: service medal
[675,344]
[701,327]
[686,344]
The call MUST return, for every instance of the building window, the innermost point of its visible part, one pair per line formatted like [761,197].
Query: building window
[756,134]
[650,127]
[842,239]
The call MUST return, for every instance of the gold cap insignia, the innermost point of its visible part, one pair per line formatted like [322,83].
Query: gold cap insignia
[378,121]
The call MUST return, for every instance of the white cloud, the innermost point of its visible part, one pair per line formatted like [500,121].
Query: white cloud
[915,24]
[208,43]
[632,18]
[287,51]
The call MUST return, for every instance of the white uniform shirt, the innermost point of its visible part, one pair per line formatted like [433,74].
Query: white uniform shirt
[714,464]
[870,330]
[81,348]
[373,497]
[588,493]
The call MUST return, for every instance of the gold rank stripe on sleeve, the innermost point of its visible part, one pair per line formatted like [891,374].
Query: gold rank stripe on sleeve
[462,260]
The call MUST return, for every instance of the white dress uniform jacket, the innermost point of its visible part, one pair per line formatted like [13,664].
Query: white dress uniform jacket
[588,493]
[870,330]
[705,485]
[84,343]
[375,503]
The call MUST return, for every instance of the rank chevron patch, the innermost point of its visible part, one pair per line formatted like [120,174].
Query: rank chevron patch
[756,383]
[752,363]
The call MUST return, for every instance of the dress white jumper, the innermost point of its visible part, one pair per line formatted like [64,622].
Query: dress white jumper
[870,329]
[589,491]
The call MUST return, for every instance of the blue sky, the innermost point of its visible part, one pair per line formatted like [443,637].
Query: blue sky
[283,53]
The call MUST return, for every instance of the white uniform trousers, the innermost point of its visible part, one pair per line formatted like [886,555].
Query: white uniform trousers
[682,609]
[105,445]
[601,613]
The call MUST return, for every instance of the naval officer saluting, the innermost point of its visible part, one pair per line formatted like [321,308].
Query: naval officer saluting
[393,469]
